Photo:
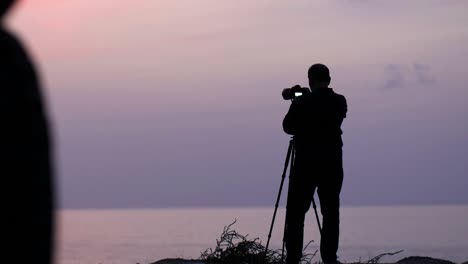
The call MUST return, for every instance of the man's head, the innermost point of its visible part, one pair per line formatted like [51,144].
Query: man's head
[4,6]
[319,75]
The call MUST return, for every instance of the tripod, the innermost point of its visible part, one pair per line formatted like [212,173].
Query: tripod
[289,159]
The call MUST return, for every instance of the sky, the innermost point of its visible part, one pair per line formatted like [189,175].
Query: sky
[178,103]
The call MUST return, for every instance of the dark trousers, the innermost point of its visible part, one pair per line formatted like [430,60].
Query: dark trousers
[324,173]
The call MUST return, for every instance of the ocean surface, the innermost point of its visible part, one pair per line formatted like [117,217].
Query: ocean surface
[144,236]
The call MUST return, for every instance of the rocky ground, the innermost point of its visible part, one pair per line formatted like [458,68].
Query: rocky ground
[409,260]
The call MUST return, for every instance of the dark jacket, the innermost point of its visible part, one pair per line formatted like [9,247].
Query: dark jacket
[315,121]
[26,165]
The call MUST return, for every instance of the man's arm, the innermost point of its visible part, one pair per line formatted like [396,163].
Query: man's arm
[344,106]
[291,120]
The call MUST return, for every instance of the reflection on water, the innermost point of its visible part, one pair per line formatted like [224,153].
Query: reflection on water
[131,236]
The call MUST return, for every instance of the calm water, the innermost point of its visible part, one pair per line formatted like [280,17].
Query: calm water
[132,236]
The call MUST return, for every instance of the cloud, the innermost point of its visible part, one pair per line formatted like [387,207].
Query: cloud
[395,76]
[423,74]
[402,75]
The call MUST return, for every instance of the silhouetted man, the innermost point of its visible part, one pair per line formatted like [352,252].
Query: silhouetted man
[315,121]
[25,163]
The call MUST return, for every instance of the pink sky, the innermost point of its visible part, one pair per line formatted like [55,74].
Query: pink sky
[165,103]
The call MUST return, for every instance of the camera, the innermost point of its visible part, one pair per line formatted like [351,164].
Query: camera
[294,92]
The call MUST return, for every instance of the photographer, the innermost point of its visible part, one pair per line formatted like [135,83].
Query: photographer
[315,119]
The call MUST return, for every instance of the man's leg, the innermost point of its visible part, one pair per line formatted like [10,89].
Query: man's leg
[298,204]
[329,194]
[294,234]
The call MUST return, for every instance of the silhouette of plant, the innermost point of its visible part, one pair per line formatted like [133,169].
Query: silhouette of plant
[377,258]
[234,248]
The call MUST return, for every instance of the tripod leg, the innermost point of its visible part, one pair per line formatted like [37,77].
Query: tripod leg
[282,253]
[293,152]
[316,215]
[283,176]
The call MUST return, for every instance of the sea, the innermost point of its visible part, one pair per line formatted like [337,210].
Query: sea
[129,236]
